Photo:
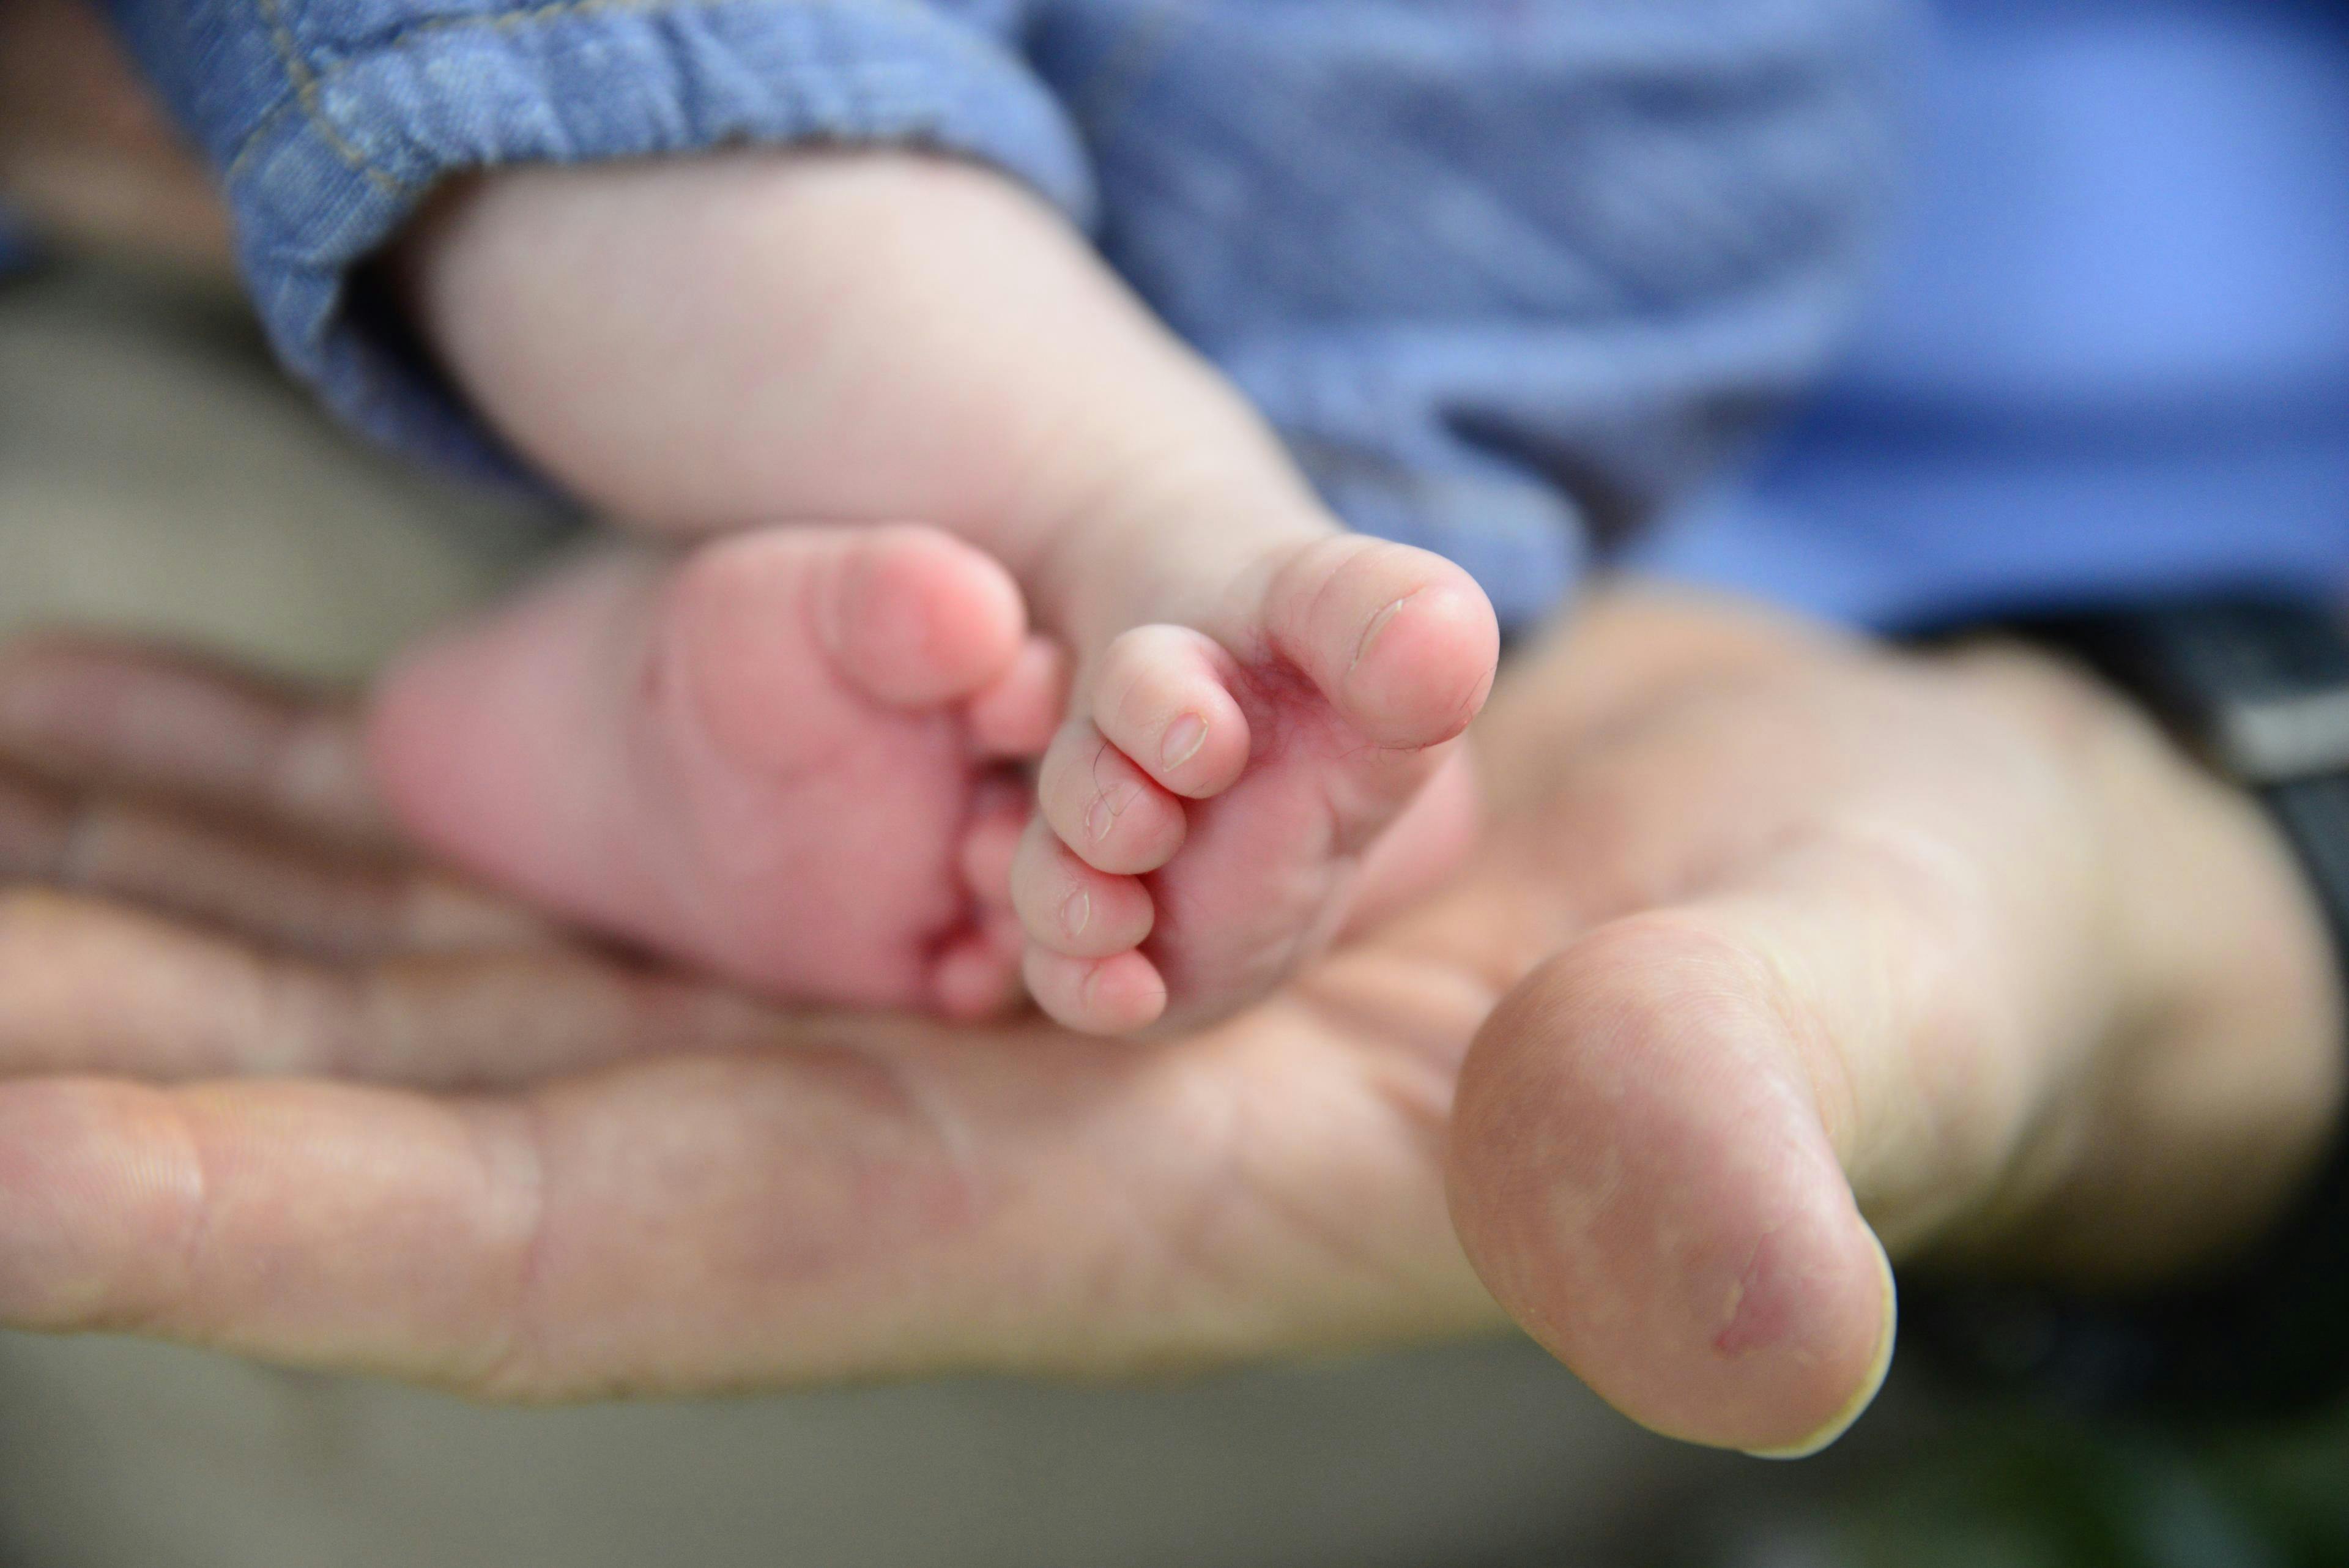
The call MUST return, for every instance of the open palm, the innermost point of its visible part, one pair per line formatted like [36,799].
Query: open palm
[1776,945]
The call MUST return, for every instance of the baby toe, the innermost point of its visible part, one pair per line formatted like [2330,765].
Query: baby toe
[1105,809]
[976,977]
[1096,996]
[1069,908]
[1161,695]
[914,619]
[1016,715]
[1402,642]
[992,842]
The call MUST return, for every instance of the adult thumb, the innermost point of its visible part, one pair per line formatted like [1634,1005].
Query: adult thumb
[1648,1162]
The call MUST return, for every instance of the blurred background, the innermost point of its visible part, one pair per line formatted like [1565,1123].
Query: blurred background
[2120,298]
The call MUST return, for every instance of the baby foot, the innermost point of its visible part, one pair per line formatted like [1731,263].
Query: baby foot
[863,335]
[780,759]
[1206,814]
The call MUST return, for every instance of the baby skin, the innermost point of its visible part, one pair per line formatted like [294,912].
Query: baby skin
[892,408]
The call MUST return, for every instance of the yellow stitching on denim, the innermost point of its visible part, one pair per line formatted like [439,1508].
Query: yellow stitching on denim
[319,80]
[253,139]
[509,21]
[306,93]
[560,10]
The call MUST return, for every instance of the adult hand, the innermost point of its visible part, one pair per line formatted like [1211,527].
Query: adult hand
[1955,953]
[1790,933]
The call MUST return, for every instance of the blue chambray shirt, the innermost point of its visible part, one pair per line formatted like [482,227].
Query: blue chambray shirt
[1505,273]
[2110,355]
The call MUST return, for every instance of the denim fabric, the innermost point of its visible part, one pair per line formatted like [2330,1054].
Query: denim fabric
[330,120]
[1507,271]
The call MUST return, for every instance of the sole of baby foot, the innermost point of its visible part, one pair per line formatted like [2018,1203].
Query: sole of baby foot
[1220,787]
[773,759]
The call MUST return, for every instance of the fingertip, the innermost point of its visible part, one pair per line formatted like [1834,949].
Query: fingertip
[1640,1176]
[1872,1374]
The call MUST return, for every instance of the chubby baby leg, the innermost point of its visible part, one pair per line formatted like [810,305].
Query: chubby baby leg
[780,757]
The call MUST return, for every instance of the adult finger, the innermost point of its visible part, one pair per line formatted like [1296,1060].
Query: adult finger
[1618,657]
[112,713]
[288,894]
[1014,1202]
[91,986]
[1646,1162]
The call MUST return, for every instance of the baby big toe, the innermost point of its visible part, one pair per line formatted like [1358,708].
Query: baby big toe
[1403,643]
[914,619]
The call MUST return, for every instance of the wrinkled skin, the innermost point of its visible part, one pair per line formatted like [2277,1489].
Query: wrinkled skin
[1774,940]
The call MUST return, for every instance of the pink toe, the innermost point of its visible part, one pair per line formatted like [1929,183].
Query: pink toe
[976,979]
[915,618]
[989,845]
[1402,642]
[1163,696]
[1016,715]
[1097,996]
[1104,808]
[1007,937]
[1069,908]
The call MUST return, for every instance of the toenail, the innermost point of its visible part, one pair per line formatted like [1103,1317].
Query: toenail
[1107,808]
[1077,913]
[1377,628]
[1184,736]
